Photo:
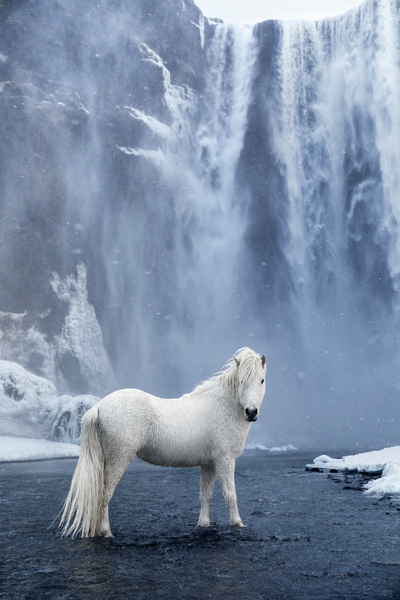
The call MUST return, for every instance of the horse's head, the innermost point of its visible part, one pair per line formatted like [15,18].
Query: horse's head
[251,369]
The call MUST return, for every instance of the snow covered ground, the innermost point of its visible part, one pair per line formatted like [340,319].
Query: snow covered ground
[386,462]
[16,449]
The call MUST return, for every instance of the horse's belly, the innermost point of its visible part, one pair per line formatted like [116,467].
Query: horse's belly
[175,451]
[170,458]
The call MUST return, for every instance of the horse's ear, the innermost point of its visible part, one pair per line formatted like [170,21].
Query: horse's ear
[263,360]
[236,361]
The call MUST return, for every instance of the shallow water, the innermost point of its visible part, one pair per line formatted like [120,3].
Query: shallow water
[306,537]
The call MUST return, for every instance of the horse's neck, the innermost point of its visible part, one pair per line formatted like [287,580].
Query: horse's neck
[224,394]
[227,397]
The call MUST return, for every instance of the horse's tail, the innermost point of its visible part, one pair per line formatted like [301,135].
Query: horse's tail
[82,508]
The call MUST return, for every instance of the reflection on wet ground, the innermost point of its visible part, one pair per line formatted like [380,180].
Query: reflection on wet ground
[307,537]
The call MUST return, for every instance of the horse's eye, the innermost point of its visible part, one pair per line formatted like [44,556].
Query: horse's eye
[262,380]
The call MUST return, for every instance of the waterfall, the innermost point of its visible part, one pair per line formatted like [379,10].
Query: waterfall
[223,186]
[336,143]
[182,305]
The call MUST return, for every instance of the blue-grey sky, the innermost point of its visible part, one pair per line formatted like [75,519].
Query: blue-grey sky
[255,11]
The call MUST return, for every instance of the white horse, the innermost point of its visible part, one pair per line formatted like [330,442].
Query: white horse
[207,427]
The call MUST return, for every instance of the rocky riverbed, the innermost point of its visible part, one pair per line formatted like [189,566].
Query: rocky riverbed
[307,536]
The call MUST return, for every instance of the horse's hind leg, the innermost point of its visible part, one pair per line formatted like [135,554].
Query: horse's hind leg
[226,475]
[114,467]
[207,481]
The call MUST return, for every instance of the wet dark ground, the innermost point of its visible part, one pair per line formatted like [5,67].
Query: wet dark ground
[306,537]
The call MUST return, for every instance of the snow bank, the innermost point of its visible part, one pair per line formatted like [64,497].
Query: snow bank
[258,446]
[16,449]
[386,462]
[288,448]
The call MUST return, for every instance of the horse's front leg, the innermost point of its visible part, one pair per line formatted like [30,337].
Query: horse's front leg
[207,481]
[226,475]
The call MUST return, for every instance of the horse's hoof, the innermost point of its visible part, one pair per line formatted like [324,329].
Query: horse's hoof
[106,534]
[238,524]
[205,524]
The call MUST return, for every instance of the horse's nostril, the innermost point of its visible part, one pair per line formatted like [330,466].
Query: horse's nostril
[251,413]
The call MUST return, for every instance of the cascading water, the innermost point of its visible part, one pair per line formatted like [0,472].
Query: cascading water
[224,186]
[175,309]
[335,140]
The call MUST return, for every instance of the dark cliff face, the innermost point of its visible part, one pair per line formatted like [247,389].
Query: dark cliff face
[260,173]
[76,80]
[71,69]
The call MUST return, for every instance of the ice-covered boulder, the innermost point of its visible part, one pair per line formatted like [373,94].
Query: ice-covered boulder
[28,403]
[31,407]
[385,462]
[67,424]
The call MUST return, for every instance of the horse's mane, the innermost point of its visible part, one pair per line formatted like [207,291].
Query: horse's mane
[230,374]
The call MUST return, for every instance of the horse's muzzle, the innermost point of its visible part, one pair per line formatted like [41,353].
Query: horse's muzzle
[251,414]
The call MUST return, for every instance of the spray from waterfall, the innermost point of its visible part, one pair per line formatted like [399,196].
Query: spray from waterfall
[183,303]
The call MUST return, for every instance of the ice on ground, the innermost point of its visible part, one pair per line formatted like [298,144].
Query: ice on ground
[386,462]
[16,449]
[258,446]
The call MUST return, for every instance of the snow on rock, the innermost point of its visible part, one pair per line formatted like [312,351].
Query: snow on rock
[181,101]
[386,462]
[156,126]
[157,157]
[75,359]
[26,345]
[81,338]
[16,449]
